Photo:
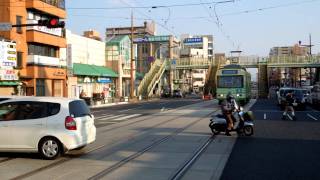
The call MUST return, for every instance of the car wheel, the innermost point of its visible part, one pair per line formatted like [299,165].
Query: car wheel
[50,148]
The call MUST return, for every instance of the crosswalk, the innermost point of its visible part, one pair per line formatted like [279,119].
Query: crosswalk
[108,119]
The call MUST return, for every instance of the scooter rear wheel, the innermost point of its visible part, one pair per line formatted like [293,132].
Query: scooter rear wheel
[248,130]
[214,131]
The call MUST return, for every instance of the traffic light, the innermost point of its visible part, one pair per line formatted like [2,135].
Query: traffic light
[51,23]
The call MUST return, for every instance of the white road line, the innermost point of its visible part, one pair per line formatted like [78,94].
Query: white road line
[111,117]
[264,116]
[102,123]
[312,117]
[126,117]
[128,110]
[102,117]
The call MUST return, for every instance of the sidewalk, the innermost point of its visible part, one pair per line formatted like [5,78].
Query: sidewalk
[118,102]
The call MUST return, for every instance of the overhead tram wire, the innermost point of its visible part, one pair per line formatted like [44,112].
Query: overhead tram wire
[206,17]
[129,6]
[163,26]
[211,19]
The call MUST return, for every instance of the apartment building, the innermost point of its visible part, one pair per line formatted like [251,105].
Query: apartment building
[87,69]
[41,70]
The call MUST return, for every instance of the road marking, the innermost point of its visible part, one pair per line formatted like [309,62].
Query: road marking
[102,117]
[127,110]
[312,117]
[102,123]
[264,116]
[111,117]
[126,117]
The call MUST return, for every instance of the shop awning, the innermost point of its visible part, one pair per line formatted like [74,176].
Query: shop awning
[92,70]
[105,72]
[139,75]
[9,83]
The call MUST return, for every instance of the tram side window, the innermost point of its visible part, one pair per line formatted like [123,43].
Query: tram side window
[230,81]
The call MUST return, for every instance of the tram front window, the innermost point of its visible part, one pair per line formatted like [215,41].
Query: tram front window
[230,81]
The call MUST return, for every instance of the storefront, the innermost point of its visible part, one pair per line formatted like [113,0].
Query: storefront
[94,81]
[45,81]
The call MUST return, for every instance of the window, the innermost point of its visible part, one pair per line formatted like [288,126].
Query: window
[42,50]
[78,108]
[18,22]
[230,81]
[53,108]
[40,87]
[23,110]
[19,59]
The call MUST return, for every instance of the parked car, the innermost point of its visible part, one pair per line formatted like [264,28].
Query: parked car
[315,95]
[166,94]
[177,94]
[48,125]
[300,96]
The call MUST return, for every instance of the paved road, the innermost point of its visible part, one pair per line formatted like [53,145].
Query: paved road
[114,114]
[279,149]
[153,146]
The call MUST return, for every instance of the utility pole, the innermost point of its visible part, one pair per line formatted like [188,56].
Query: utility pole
[132,60]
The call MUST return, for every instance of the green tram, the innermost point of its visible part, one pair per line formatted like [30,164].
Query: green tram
[236,80]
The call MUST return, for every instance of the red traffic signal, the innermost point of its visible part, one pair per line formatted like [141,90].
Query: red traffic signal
[51,23]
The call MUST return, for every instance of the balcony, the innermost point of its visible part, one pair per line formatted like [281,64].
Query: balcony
[44,29]
[43,35]
[45,61]
[53,7]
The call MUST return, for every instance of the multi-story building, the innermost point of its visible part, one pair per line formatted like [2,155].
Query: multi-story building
[289,76]
[118,57]
[197,46]
[87,69]
[296,50]
[148,29]
[41,70]
[92,34]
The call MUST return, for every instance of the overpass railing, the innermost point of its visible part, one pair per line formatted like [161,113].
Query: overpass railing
[294,60]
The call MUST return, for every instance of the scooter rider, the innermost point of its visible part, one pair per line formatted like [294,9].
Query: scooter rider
[289,105]
[227,107]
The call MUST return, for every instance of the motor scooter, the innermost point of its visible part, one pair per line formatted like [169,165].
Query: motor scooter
[243,122]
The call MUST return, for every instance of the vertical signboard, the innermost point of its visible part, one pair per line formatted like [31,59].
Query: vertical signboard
[8,54]
[69,60]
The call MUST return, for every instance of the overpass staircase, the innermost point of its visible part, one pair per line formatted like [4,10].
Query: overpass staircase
[152,78]
[210,83]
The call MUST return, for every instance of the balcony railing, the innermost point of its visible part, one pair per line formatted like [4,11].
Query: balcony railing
[53,31]
[45,61]
[57,3]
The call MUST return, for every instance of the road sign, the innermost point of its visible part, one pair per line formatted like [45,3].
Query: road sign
[5,26]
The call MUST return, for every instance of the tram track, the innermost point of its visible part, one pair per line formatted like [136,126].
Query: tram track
[190,161]
[68,158]
[124,161]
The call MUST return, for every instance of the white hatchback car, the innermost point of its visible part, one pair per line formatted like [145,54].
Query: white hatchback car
[48,125]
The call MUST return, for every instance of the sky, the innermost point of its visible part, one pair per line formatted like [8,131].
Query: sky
[238,25]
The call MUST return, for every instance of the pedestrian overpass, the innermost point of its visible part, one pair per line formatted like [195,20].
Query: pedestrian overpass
[158,68]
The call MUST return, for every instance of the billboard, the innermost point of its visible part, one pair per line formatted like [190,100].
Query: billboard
[190,41]
[8,54]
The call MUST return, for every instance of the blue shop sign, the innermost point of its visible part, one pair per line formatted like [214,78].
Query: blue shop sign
[104,80]
[193,40]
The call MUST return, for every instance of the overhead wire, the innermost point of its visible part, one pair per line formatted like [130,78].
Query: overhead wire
[163,26]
